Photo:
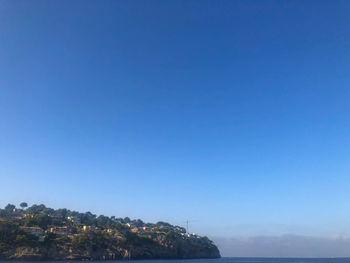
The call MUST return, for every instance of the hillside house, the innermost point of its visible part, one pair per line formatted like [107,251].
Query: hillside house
[62,231]
[17,214]
[89,228]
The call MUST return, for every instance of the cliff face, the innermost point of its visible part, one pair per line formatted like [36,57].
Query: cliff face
[168,250]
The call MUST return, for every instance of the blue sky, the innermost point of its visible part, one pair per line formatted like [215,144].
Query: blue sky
[234,114]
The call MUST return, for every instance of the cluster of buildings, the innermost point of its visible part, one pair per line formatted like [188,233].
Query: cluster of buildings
[58,230]
[74,222]
[39,232]
[188,235]
[157,229]
[90,228]
[142,229]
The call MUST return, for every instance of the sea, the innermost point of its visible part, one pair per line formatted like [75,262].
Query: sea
[219,260]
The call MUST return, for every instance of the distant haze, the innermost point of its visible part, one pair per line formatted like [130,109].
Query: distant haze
[284,246]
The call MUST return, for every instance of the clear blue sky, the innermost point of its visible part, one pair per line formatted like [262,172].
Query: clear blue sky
[235,114]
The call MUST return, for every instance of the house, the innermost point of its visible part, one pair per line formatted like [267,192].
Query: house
[17,214]
[188,235]
[141,230]
[90,228]
[28,215]
[62,231]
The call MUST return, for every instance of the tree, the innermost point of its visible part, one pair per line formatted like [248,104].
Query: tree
[40,220]
[10,207]
[37,209]
[138,223]
[23,205]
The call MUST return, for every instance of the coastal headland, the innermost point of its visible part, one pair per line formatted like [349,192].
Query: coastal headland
[42,233]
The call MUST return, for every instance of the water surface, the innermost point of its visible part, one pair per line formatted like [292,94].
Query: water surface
[219,260]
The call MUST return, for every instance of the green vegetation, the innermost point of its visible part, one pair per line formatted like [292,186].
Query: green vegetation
[39,232]
[12,236]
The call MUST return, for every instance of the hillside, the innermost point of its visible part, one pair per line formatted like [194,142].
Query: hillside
[39,232]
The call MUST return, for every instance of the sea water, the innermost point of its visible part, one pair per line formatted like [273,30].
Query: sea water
[219,260]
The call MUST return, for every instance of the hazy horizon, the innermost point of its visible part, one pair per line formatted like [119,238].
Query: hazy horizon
[234,115]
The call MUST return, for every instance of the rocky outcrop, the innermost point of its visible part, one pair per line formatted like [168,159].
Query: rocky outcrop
[142,252]
[161,247]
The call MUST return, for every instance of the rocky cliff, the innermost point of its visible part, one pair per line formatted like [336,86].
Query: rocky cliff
[139,252]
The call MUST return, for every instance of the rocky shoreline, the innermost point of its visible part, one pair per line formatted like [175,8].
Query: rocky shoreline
[29,254]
